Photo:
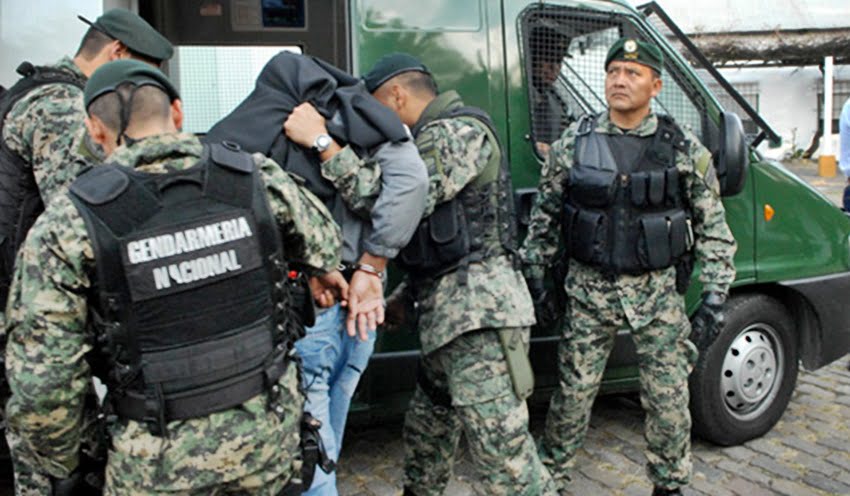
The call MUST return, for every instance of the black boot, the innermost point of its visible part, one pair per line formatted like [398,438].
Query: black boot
[663,491]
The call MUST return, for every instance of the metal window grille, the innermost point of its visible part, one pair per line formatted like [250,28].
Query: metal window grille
[840,95]
[564,52]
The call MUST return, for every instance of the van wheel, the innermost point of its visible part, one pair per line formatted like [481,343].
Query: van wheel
[742,384]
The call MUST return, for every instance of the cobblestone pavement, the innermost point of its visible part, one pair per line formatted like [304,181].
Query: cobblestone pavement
[806,454]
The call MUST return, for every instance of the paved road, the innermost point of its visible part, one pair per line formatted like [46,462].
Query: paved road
[807,453]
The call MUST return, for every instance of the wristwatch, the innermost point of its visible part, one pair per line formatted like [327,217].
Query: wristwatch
[322,143]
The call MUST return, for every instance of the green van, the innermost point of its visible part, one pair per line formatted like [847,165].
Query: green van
[793,259]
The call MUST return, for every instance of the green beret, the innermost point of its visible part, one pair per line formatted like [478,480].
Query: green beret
[133,31]
[113,74]
[390,66]
[634,50]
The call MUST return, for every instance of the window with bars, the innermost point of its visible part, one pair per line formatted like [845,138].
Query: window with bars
[840,94]
[564,53]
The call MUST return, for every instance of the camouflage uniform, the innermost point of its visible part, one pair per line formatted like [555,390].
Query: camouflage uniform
[41,128]
[44,127]
[647,305]
[247,449]
[463,357]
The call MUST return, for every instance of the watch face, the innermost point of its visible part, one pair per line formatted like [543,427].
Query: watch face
[322,143]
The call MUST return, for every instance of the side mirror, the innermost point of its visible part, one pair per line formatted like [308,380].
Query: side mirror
[732,160]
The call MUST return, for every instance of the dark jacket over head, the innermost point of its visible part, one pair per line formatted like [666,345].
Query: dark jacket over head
[289,79]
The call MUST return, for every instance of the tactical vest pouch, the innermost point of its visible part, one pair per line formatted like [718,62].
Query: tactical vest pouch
[440,241]
[678,234]
[664,238]
[593,187]
[637,184]
[655,242]
[671,181]
[589,234]
[656,188]
[519,366]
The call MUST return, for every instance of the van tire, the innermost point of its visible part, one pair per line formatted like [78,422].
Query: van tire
[737,393]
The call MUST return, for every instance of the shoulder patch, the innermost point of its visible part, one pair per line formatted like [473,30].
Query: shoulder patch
[702,164]
[101,184]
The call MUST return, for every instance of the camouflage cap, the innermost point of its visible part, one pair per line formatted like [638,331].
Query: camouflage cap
[634,50]
[133,31]
[113,74]
[390,66]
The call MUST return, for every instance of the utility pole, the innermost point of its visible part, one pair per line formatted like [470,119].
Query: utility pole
[826,162]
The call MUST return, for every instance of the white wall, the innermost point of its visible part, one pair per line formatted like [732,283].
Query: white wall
[787,101]
[40,31]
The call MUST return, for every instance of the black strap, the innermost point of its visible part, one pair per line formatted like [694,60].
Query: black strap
[198,403]
[313,452]
[229,177]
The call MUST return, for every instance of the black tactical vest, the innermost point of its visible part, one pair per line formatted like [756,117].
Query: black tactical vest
[476,224]
[192,308]
[627,218]
[20,202]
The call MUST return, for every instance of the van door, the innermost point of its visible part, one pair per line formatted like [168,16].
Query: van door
[561,49]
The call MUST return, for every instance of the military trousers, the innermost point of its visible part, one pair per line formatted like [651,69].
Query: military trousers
[28,481]
[468,390]
[665,359]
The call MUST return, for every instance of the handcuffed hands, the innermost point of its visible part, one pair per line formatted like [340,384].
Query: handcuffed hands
[365,304]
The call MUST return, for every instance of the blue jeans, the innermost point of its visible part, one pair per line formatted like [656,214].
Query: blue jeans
[332,365]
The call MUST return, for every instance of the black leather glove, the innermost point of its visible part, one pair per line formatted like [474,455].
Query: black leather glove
[708,320]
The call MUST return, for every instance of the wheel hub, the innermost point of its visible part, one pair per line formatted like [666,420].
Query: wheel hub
[751,371]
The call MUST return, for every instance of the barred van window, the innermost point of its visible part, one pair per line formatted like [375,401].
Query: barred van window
[563,53]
